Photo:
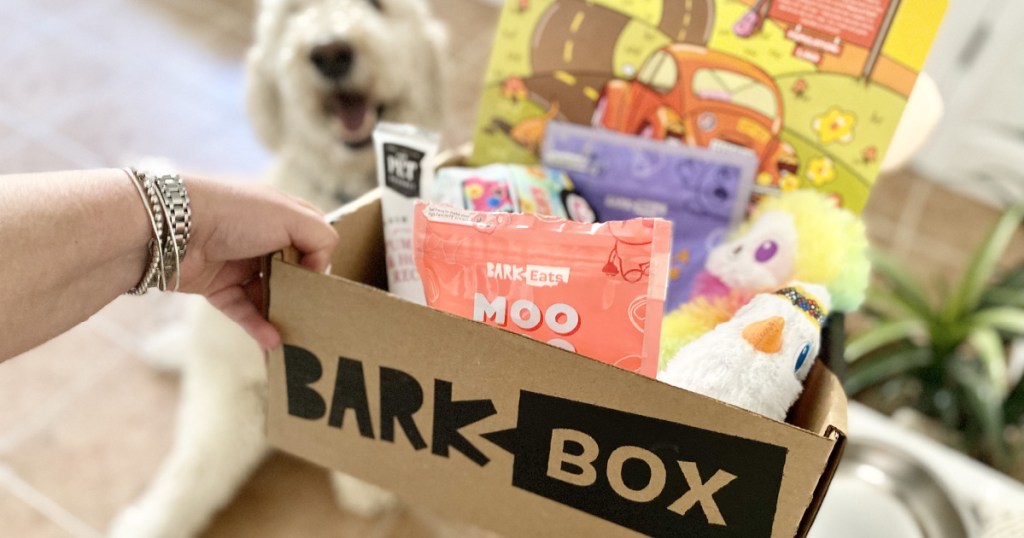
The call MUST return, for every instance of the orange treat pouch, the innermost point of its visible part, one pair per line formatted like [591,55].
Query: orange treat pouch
[595,289]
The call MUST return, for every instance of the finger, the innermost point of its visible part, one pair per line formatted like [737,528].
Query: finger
[315,239]
[265,333]
[236,305]
[234,273]
[253,290]
[307,205]
[318,262]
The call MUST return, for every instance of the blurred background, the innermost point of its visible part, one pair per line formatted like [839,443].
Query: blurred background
[107,82]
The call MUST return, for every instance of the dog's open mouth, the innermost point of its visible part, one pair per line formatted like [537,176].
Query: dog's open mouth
[358,115]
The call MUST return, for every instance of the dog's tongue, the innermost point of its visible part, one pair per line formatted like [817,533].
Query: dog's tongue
[353,111]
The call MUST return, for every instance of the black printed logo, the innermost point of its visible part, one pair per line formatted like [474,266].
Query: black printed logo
[653,476]
[402,169]
[401,397]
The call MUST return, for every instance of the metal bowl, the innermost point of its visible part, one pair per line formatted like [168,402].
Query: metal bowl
[881,491]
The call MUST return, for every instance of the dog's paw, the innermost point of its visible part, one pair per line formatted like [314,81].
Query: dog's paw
[362,498]
[137,522]
[164,348]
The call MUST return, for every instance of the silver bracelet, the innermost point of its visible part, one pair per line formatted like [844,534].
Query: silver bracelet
[178,210]
[170,215]
[155,254]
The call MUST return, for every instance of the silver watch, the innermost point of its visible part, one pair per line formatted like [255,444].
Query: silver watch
[179,213]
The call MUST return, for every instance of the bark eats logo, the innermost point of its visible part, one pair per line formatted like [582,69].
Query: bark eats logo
[642,473]
[533,275]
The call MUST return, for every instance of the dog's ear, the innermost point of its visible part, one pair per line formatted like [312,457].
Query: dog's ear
[263,99]
[437,34]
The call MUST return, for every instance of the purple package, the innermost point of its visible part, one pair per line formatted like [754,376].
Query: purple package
[703,192]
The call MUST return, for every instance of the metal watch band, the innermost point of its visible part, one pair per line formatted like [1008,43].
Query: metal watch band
[167,204]
[179,213]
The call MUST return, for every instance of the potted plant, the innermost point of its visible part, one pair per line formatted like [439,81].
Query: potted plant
[945,353]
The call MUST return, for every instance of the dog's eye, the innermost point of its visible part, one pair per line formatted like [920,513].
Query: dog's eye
[376,4]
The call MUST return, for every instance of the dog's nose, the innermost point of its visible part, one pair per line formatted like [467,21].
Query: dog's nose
[333,60]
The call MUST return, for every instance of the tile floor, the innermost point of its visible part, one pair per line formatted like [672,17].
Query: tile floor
[85,423]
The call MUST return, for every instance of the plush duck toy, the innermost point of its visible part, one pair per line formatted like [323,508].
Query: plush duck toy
[757,360]
[798,235]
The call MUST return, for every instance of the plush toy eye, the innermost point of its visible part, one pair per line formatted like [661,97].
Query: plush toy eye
[766,251]
[801,357]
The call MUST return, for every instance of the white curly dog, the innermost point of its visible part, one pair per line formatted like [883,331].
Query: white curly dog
[320,75]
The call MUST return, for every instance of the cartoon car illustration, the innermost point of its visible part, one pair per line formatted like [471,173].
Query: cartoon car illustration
[704,98]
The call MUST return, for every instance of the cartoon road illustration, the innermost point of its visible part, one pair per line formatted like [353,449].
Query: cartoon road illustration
[687,21]
[814,93]
[580,33]
[585,61]
[566,85]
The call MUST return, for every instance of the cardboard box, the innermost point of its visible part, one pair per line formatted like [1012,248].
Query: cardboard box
[493,428]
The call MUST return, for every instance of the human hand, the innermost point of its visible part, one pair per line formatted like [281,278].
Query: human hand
[233,226]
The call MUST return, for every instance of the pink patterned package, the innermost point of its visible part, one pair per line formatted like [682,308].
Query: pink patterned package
[595,289]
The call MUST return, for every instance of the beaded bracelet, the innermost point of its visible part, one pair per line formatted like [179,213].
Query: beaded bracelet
[169,210]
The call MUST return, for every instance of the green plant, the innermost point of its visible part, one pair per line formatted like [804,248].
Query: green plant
[949,347]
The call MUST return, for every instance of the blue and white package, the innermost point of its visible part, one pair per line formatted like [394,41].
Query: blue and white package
[703,192]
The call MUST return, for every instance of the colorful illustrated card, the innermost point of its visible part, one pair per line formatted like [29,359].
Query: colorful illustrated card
[813,89]
[702,192]
[512,188]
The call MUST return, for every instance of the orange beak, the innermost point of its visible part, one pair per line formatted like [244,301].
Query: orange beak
[765,335]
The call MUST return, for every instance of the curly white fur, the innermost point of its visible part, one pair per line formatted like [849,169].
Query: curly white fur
[396,68]
[398,65]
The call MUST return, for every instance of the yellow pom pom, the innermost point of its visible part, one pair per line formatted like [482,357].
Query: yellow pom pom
[831,250]
[832,245]
[686,323]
